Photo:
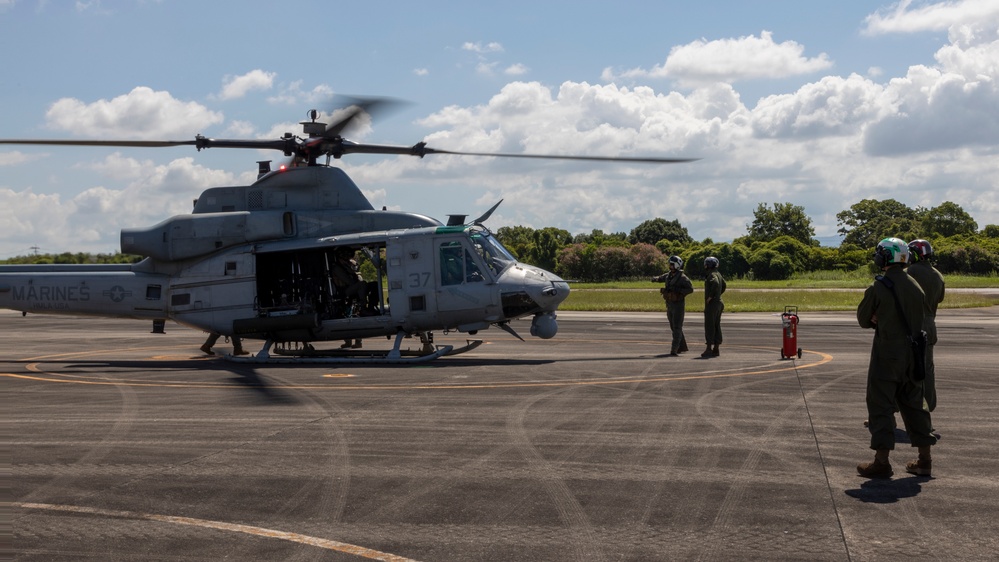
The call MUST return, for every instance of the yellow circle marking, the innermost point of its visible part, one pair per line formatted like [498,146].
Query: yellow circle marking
[223,526]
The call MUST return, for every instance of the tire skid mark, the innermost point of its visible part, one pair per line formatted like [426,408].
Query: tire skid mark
[317,542]
[126,416]
[585,543]
[335,481]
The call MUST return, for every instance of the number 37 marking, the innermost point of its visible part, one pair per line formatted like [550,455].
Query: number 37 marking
[417,280]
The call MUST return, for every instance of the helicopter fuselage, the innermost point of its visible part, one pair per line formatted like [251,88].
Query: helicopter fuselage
[261,261]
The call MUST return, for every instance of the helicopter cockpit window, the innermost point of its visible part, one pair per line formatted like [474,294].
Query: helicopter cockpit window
[457,265]
[495,256]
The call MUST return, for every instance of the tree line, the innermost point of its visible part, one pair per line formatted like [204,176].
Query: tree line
[778,244]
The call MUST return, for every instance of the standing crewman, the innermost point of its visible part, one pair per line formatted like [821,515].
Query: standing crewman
[714,286]
[678,286]
[893,307]
[932,283]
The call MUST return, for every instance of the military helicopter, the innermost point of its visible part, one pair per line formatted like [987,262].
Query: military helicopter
[272,261]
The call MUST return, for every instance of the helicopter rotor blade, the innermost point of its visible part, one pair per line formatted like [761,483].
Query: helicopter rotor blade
[634,159]
[355,107]
[200,142]
[111,143]
[335,147]
[421,149]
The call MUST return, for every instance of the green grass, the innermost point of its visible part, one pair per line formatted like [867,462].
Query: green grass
[838,291]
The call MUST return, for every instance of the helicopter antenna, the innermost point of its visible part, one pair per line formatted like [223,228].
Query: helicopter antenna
[313,128]
[486,215]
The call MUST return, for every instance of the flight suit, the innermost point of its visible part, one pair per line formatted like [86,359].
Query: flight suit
[932,283]
[678,286]
[714,286]
[890,382]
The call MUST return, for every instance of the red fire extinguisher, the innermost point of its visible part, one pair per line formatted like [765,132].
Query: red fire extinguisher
[789,323]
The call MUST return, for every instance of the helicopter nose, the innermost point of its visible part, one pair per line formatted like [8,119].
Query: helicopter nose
[552,295]
[528,290]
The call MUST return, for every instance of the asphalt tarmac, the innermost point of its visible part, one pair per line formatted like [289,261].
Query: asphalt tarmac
[127,445]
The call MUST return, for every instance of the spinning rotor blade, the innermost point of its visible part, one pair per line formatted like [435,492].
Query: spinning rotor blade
[354,107]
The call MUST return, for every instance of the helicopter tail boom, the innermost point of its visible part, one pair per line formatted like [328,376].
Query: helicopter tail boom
[83,290]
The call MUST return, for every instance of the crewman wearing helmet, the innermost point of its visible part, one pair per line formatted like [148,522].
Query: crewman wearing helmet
[714,286]
[932,283]
[893,307]
[678,286]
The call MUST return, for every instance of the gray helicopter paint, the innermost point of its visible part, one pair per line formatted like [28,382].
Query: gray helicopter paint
[89,293]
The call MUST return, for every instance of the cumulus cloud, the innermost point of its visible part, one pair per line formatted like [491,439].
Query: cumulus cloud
[903,17]
[92,220]
[140,114]
[730,60]
[293,94]
[935,110]
[831,106]
[923,136]
[515,70]
[15,158]
[481,49]
[824,144]
[234,87]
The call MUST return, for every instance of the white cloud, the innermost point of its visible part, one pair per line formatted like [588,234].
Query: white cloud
[16,158]
[516,70]
[234,87]
[823,146]
[486,68]
[902,17]
[139,114]
[730,60]
[293,94]
[421,72]
[935,111]
[93,219]
[831,106]
[481,49]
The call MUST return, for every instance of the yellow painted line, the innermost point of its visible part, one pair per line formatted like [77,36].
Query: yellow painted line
[786,365]
[99,352]
[223,526]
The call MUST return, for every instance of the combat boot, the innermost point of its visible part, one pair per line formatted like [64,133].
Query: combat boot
[707,351]
[922,465]
[207,349]
[878,468]
[919,467]
[714,351]
[238,350]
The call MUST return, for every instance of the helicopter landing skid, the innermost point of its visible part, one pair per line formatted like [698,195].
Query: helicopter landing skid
[309,355]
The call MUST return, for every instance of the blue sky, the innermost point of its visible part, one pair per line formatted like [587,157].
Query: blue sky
[817,104]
